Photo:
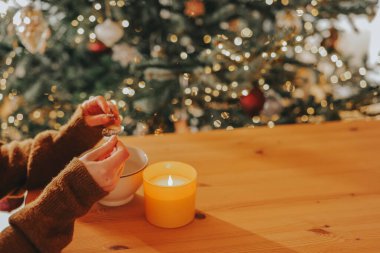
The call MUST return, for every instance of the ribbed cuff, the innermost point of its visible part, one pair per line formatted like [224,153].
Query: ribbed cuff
[73,190]
[76,131]
[52,151]
[12,240]
[48,222]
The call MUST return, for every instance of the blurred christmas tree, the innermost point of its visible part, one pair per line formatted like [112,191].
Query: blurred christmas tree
[172,64]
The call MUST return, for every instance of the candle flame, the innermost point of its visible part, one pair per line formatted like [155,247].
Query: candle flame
[170,181]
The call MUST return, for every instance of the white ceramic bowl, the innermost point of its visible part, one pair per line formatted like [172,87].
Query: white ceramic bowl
[130,179]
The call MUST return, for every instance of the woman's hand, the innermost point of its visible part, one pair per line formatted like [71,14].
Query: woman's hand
[105,163]
[99,112]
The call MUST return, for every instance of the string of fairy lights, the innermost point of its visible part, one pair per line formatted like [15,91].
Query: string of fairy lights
[238,56]
[228,55]
[39,115]
[8,70]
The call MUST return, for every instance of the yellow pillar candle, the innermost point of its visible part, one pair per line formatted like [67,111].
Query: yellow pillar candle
[169,193]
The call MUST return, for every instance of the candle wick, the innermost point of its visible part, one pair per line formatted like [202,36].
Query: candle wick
[170,181]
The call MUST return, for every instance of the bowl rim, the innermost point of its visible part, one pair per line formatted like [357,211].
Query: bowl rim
[142,167]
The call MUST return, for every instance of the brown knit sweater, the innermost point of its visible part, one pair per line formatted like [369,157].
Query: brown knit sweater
[46,224]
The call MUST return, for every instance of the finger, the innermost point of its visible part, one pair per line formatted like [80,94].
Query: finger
[90,107]
[98,120]
[85,107]
[118,157]
[102,157]
[96,105]
[111,186]
[117,121]
[102,103]
[113,178]
[115,112]
[103,150]
[121,170]
[114,109]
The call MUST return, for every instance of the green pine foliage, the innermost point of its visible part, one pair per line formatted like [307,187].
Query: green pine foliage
[191,66]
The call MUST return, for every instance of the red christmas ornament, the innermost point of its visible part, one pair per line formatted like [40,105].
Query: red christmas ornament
[96,47]
[234,25]
[331,42]
[253,103]
[194,8]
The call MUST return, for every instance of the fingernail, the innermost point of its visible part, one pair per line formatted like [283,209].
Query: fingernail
[111,116]
[112,138]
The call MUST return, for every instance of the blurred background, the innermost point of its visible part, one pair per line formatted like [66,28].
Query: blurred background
[188,65]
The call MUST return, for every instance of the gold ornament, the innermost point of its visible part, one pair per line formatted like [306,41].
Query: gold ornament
[179,119]
[307,84]
[32,29]
[157,52]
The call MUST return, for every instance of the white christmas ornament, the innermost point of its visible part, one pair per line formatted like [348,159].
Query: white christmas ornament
[159,74]
[374,44]
[32,29]
[23,3]
[273,104]
[288,19]
[3,8]
[109,32]
[125,54]
[307,84]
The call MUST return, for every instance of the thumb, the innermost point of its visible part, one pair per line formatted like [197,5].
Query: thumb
[118,157]
[97,120]
[103,150]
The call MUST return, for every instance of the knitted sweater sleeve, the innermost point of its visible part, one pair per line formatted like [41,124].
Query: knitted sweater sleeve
[46,225]
[33,163]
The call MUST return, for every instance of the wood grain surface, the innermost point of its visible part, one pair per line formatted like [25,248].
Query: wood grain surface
[297,188]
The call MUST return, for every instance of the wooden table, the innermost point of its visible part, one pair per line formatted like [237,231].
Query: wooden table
[297,188]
